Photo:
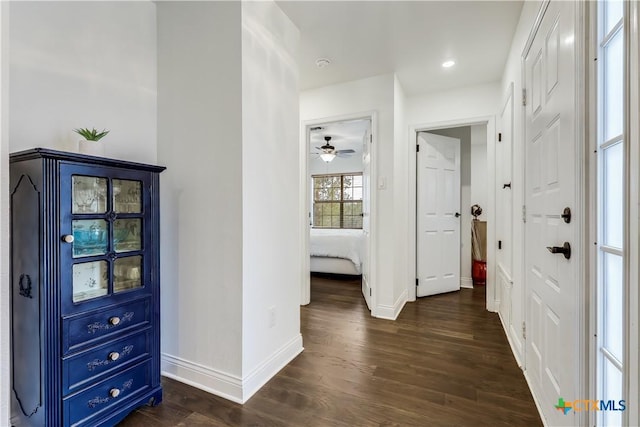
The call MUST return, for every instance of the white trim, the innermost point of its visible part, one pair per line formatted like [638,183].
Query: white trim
[5,357]
[490,122]
[591,220]
[305,294]
[391,312]
[466,282]
[633,132]
[514,349]
[202,377]
[230,387]
[253,381]
[536,400]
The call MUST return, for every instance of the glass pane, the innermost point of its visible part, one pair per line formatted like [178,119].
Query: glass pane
[357,181]
[127,234]
[357,193]
[335,222]
[347,193]
[317,215]
[612,391]
[613,306]
[127,196]
[127,273]
[90,280]
[89,237]
[612,197]
[88,195]
[613,82]
[613,13]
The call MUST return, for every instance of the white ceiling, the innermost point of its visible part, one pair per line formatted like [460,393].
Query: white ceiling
[412,38]
[344,135]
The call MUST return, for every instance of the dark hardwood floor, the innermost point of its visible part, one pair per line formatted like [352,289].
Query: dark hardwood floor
[444,362]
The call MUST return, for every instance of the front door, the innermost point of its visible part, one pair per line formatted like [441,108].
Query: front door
[552,276]
[438,216]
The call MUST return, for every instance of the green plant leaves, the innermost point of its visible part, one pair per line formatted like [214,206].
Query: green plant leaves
[91,135]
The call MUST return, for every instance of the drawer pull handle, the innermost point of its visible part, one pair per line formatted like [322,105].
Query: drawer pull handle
[113,393]
[68,238]
[111,357]
[111,323]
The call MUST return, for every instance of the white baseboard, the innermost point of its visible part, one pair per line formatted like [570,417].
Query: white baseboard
[391,312]
[202,377]
[535,400]
[252,382]
[228,386]
[466,282]
[514,349]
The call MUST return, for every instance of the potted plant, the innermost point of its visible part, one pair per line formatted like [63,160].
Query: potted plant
[90,144]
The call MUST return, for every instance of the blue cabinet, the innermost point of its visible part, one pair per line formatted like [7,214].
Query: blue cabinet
[85,283]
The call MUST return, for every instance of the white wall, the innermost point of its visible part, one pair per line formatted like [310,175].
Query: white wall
[200,142]
[271,195]
[456,107]
[373,94]
[83,64]
[466,183]
[227,113]
[62,68]
[479,170]
[460,103]
[402,275]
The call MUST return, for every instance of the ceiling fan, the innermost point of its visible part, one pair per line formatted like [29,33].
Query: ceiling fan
[328,152]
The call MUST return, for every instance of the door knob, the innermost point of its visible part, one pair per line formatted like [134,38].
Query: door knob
[68,238]
[457,215]
[564,250]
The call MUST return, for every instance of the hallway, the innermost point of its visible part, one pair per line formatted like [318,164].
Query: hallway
[445,361]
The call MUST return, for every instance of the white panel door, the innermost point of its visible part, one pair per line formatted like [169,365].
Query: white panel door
[511,294]
[438,216]
[552,286]
[366,217]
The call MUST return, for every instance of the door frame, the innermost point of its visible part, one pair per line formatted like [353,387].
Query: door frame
[490,122]
[305,200]
[631,210]
[582,251]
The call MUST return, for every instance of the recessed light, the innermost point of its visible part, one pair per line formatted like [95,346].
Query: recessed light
[448,64]
[322,62]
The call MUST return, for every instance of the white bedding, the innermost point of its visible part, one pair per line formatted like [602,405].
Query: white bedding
[337,243]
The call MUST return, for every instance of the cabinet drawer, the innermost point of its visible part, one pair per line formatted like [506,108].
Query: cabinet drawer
[85,330]
[116,390]
[93,364]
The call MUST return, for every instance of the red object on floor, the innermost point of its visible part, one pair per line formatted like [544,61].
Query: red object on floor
[479,273]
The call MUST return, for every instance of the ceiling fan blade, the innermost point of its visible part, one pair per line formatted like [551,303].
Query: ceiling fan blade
[348,151]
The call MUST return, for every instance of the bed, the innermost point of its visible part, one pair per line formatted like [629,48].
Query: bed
[336,251]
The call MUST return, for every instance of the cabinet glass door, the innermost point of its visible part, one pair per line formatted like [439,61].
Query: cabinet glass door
[104,211]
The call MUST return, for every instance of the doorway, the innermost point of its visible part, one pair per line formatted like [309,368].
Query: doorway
[338,169]
[451,179]
[482,131]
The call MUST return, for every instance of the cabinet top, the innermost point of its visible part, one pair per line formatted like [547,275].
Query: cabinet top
[46,153]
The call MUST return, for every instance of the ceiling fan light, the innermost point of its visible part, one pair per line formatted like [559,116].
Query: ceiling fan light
[327,157]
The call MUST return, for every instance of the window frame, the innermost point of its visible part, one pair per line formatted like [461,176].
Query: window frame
[342,200]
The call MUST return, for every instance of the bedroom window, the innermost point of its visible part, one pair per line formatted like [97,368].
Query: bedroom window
[337,201]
